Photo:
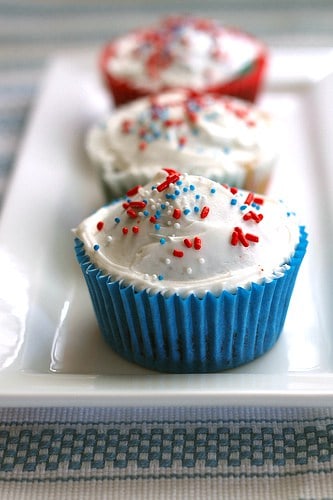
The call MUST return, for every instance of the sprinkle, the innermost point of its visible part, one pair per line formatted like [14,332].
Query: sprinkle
[167,261]
[196,209]
[213,190]
[192,187]
[176,213]
[135,229]
[182,141]
[109,238]
[204,212]
[153,219]
[185,189]
[100,225]
[162,241]
[178,253]
[131,213]
[125,205]
[137,204]
[117,220]
[197,196]
[233,201]
[197,243]
[188,242]
[258,200]
[143,145]
[125,230]
[252,237]
[186,211]
[201,260]
[169,180]
[160,277]
[157,227]
[239,238]
[233,190]
[251,215]
[145,213]
[96,247]
[133,191]
[176,225]
[189,270]
[249,199]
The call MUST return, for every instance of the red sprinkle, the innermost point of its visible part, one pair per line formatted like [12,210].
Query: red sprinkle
[182,141]
[137,204]
[125,230]
[133,191]
[249,199]
[100,225]
[188,243]
[204,212]
[143,145]
[234,238]
[197,243]
[126,126]
[178,253]
[135,229]
[241,237]
[252,215]
[131,213]
[174,177]
[176,213]
[125,205]
[252,237]
[152,219]
[233,190]
[258,201]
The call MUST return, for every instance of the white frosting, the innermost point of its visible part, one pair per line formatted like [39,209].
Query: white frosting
[181,237]
[182,52]
[222,138]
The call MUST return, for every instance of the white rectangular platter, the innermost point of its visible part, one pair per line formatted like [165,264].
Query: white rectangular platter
[51,352]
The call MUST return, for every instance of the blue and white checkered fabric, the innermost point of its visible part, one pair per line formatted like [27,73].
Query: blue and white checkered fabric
[178,453]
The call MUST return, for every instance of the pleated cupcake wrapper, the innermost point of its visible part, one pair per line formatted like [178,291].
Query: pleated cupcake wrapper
[191,335]
[116,185]
[246,85]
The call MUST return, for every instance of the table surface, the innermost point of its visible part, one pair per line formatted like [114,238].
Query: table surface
[150,452]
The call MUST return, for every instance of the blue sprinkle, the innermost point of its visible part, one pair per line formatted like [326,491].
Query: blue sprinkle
[179,183]
[153,188]
[192,188]
[162,241]
[145,213]
[177,192]
[233,201]
[96,247]
[160,277]
[196,209]
[186,211]
[158,214]
[185,189]
[163,206]
[157,227]
[213,190]
[197,196]
[226,150]
[243,207]
[117,220]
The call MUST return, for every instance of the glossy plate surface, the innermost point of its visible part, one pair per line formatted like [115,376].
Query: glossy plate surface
[51,352]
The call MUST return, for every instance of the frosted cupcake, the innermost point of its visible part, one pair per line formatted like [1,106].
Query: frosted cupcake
[197,54]
[223,138]
[186,275]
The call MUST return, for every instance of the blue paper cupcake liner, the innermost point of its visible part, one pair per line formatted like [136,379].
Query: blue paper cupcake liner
[191,334]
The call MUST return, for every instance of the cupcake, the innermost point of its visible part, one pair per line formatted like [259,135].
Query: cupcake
[226,139]
[197,54]
[187,275]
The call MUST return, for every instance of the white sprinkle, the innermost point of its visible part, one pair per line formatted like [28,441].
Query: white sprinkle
[168,261]
[146,276]
[176,225]
[202,260]
[109,239]
[154,277]
[189,270]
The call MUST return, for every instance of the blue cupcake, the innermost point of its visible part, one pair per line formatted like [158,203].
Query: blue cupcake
[187,275]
